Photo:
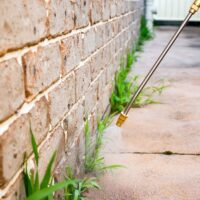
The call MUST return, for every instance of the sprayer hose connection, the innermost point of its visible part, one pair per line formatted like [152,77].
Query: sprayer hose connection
[195,7]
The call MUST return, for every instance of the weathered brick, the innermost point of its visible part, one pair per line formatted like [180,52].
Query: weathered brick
[71,52]
[83,78]
[16,190]
[81,11]
[11,88]
[108,32]
[61,99]
[61,16]
[102,82]
[88,43]
[99,35]
[55,143]
[96,64]
[42,68]
[96,11]
[73,124]
[113,8]
[91,97]
[106,10]
[39,119]
[22,22]
[14,143]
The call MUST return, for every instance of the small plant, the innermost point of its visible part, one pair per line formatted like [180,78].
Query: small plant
[146,97]
[122,91]
[80,186]
[34,188]
[144,34]
[94,161]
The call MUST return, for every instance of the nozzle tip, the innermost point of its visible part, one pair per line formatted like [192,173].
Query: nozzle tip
[122,118]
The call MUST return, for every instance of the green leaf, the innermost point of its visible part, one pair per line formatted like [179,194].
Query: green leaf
[48,191]
[34,146]
[36,186]
[76,195]
[47,176]
[27,183]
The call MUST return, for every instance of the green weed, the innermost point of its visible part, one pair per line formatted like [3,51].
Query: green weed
[144,34]
[33,187]
[148,94]
[94,161]
[77,190]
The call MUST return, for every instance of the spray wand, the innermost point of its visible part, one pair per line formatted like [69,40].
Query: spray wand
[124,115]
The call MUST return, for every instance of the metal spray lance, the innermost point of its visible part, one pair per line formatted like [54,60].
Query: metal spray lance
[124,115]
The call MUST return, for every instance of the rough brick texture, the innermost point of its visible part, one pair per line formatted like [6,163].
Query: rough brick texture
[58,59]
[22,23]
[11,87]
[47,60]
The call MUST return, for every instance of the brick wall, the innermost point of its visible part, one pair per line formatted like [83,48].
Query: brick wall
[57,63]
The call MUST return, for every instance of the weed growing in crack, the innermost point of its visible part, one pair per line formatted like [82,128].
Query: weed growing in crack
[148,94]
[144,34]
[33,187]
[94,160]
[79,187]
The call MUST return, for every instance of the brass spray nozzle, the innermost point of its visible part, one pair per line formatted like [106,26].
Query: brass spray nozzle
[122,118]
[195,7]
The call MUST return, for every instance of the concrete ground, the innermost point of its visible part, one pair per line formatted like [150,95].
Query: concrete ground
[173,125]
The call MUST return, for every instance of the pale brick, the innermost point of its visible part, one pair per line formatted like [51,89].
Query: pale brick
[61,99]
[96,64]
[73,124]
[108,31]
[83,78]
[91,97]
[102,82]
[88,43]
[71,52]
[16,190]
[21,22]
[42,68]
[113,8]
[61,16]
[14,143]
[81,10]
[106,10]
[39,119]
[99,36]
[107,54]
[11,88]
[96,11]
[55,143]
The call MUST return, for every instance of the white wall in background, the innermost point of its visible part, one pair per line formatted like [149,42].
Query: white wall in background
[173,10]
